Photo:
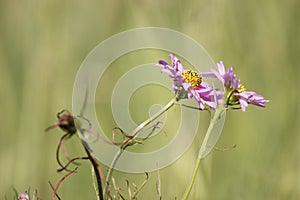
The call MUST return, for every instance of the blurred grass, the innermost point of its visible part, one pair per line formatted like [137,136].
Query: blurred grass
[43,43]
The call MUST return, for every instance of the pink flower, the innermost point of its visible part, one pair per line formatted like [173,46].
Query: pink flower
[236,92]
[188,84]
[23,196]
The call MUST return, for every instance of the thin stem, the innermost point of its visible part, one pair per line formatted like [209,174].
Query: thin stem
[148,121]
[60,182]
[141,187]
[58,148]
[187,192]
[215,118]
[113,164]
[134,135]
[95,167]
[220,110]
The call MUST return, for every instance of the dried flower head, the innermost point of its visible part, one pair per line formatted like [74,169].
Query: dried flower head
[65,122]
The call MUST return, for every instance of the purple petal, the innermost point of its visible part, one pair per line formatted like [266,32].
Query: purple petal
[201,106]
[218,75]
[252,98]
[23,196]
[208,75]
[235,83]
[221,68]
[243,104]
[168,72]
[162,62]
[176,63]
[257,100]
[186,86]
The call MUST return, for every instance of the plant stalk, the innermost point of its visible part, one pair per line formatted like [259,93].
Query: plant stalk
[215,118]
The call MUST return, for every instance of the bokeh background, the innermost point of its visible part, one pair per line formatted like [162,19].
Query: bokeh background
[42,44]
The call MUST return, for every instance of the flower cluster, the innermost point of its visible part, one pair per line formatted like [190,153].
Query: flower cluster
[189,84]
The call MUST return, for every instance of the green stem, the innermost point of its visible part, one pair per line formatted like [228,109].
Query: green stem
[112,166]
[134,135]
[187,192]
[148,121]
[212,123]
[220,110]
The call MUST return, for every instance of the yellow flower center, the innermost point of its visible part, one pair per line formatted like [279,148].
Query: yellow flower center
[233,99]
[241,88]
[192,78]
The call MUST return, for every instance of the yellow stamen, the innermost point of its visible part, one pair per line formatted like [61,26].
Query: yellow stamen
[241,88]
[192,78]
[234,99]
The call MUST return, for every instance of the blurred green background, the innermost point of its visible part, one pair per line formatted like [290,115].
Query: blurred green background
[43,43]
